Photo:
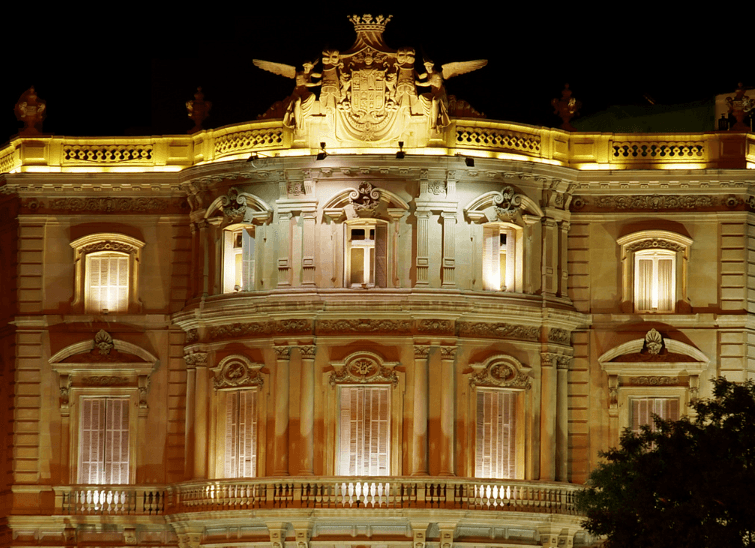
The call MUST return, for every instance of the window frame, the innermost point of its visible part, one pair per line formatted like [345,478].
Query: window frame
[378,271]
[658,243]
[131,405]
[248,261]
[518,442]
[492,279]
[363,419]
[102,244]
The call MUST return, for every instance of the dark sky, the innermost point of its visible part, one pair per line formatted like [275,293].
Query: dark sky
[130,72]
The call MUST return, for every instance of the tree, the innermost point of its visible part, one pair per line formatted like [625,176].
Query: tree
[687,483]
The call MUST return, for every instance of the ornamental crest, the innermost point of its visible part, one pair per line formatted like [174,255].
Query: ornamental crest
[507,204]
[500,371]
[364,368]
[237,372]
[365,198]
[653,342]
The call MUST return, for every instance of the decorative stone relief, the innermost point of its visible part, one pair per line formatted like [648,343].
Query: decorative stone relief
[363,326]
[104,342]
[105,380]
[196,358]
[116,205]
[437,188]
[657,201]
[192,335]
[499,330]
[654,243]
[436,326]
[364,368]
[236,372]
[653,342]
[500,371]
[558,335]
[653,381]
[421,351]
[507,204]
[365,198]
[261,328]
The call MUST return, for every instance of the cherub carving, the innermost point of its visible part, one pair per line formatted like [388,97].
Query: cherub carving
[301,100]
[330,92]
[436,101]
[405,87]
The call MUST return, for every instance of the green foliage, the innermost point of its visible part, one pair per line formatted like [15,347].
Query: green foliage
[691,483]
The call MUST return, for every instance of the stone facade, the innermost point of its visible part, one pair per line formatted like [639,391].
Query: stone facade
[575,272]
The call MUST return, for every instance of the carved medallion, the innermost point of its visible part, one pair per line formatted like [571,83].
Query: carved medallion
[364,368]
[236,372]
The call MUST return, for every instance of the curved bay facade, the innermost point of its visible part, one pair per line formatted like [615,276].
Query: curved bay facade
[244,337]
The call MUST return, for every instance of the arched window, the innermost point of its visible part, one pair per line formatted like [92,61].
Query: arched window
[106,273]
[654,265]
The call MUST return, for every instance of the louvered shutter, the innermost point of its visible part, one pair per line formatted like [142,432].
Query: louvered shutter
[495,455]
[364,438]
[491,257]
[247,245]
[643,410]
[91,439]
[116,441]
[108,283]
[231,435]
[241,434]
[381,255]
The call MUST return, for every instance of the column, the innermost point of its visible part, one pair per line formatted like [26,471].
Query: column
[449,249]
[419,435]
[550,256]
[548,416]
[308,254]
[307,410]
[448,411]
[284,248]
[280,466]
[200,418]
[191,374]
[564,259]
[423,258]
[204,244]
[562,419]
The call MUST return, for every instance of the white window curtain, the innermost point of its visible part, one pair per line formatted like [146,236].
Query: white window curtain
[108,283]
[241,434]
[655,282]
[364,431]
[495,455]
[104,441]
[643,410]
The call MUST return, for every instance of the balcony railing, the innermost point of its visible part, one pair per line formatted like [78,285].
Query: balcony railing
[330,492]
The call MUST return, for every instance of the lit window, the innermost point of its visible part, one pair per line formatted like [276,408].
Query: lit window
[238,259]
[241,434]
[106,273]
[643,410]
[107,282]
[495,453]
[104,441]
[501,258]
[364,431]
[366,253]
[654,270]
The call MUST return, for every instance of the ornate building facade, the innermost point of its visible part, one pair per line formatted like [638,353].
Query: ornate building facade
[370,318]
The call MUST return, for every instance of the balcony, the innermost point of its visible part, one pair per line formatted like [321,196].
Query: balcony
[316,493]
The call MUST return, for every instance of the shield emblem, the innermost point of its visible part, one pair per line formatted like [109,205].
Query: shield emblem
[368,92]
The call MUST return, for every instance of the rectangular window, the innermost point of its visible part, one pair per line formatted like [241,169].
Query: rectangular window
[499,258]
[366,261]
[104,441]
[643,410]
[238,259]
[107,289]
[654,282]
[241,434]
[364,431]
[495,455]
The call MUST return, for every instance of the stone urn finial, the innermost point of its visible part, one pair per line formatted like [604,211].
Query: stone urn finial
[199,110]
[566,108]
[31,110]
[740,106]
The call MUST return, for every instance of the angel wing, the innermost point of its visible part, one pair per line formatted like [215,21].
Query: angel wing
[462,67]
[276,68]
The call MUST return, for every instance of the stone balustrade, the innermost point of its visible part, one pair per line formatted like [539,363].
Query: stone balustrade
[326,492]
[476,137]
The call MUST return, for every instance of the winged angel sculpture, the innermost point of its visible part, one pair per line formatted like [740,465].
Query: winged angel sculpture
[436,100]
[301,100]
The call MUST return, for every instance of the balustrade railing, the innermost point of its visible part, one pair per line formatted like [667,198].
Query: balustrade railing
[368,493]
[110,499]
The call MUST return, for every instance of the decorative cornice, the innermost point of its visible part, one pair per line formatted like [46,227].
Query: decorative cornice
[499,330]
[559,336]
[116,205]
[436,326]
[363,326]
[273,327]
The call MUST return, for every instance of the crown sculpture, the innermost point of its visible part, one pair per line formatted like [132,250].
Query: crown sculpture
[368,94]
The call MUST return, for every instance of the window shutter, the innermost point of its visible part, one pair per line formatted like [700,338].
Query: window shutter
[495,455]
[247,459]
[247,243]
[491,257]
[381,255]
[121,300]
[364,431]
[644,285]
[116,441]
[231,435]
[643,410]
[91,440]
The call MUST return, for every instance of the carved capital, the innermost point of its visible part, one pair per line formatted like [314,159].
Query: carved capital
[421,351]
[282,352]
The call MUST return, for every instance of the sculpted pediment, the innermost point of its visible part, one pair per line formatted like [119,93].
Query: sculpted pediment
[368,95]
[653,353]
[103,353]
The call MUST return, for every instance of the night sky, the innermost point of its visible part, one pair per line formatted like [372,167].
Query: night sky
[130,72]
